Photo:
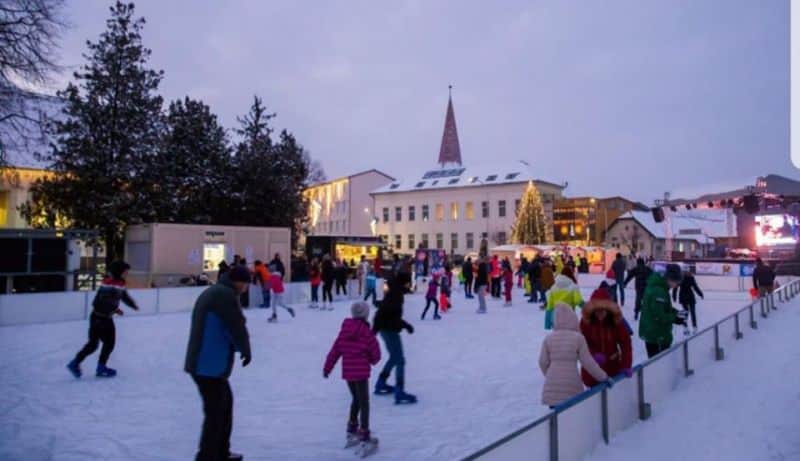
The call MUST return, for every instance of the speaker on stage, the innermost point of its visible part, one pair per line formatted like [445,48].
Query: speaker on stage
[751,205]
[658,214]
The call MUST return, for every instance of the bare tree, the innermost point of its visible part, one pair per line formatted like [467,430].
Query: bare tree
[29,30]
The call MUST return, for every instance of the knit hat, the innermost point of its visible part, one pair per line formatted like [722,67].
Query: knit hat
[567,272]
[600,294]
[360,310]
[239,274]
[673,273]
[116,268]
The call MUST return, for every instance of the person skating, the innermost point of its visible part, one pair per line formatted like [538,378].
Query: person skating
[361,273]
[314,278]
[445,288]
[546,281]
[481,284]
[565,291]
[328,277]
[560,354]
[684,294]
[496,274]
[640,274]
[466,272]
[340,273]
[430,297]
[388,322]
[277,265]
[619,266]
[535,279]
[658,315]
[262,277]
[607,336]
[371,282]
[508,284]
[101,321]
[276,285]
[218,330]
[763,278]
[359,350]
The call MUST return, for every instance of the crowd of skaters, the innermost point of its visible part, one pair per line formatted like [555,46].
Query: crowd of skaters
[599,340]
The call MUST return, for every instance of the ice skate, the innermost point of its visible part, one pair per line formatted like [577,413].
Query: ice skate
[437,317]
[291,311]
[367,444]
[402,398]
[105,372]
[235,456]
[273,319]
[481,311]
[74,368]
[381,388]
[352,436]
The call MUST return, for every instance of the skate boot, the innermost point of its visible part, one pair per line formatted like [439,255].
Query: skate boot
[400,396]
[291,311]
[74,368]
[352,435]
[367,444]
[273,319]
[105,372]
[437,317]
[235,456]
[381,388]
[481,311]
[686,331]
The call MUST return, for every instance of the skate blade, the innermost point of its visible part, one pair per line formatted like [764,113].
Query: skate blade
[367,449]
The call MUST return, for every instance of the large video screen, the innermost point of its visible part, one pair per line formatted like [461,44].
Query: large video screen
[776,229]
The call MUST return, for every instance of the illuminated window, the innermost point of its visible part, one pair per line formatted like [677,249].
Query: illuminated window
[454,211]
[469,210]
[439,213]
[3,208]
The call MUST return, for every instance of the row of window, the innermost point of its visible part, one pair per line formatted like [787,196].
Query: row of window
[469,240]
[332,226]
[469,211]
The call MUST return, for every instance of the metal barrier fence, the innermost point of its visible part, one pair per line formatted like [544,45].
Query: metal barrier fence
[600,412]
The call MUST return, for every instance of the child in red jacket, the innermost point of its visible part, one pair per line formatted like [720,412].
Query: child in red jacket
[276,285]
[508,279]
[359,349]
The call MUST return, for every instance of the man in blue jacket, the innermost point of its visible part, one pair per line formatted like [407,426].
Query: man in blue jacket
[218,330]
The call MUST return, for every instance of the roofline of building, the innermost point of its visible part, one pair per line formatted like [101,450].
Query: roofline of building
[623,217]
[26,168]
[674,237]
[349,177]
[446,187]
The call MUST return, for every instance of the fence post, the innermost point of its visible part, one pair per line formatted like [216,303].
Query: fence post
[644,407]
[772,302]
[554,437]
[753,323]
[738,334]
[719,353]
[604,408]
[686,370]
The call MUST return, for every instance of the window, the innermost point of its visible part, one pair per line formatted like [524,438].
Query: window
[452,181]
[516,206]
[484,209]
[469,210]
[385,214]
[420,184]
[412,213]
[411,241]
[501,208]
[398,213]
[439,213]
[423,241]
[398,241]
[470,240]
[491,177]
[473,179]
[501,238]
[384,238]
[484,236]
[453,241]
[394,186]
[435,182]
[454,211]
[426,215]
[511,176]
[439,240]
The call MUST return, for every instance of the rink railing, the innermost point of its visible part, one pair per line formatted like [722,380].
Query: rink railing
[573,429]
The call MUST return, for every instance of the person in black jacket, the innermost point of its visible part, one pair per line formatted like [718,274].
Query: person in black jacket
[763,278]
[101,321]
[535,277]
[277,265]
[684,294]
[641,273]
[388,322]
[619,267]
[328,276]
[466,271]
[218,330]
[482,284]
[340,272]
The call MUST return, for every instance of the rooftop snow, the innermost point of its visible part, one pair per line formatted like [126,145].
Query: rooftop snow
[697,225]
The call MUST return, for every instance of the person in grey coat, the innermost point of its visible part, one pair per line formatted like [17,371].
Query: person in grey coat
[218,330]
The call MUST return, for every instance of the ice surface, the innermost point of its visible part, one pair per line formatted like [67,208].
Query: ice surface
[743,408]
[476,377]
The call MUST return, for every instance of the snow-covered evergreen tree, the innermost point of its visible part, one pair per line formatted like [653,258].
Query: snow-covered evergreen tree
[530,227]
[107,136]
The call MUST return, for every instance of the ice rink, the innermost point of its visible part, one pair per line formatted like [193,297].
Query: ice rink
[476,377]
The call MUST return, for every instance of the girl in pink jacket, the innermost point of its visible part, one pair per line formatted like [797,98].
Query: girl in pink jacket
[359,350]
[276,285]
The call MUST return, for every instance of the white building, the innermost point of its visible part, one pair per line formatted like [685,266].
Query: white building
[453,207]
[343,206]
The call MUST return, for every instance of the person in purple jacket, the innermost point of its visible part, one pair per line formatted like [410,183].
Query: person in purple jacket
[359,350]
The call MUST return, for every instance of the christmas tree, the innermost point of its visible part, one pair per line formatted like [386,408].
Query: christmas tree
[531,225]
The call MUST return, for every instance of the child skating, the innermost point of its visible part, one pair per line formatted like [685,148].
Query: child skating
[371,282]
[101,321]
[359,350]
[315,278]
[445,290]
[508,284]
[430,297]
[276,285]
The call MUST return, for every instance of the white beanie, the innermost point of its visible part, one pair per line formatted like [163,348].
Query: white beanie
[360,310]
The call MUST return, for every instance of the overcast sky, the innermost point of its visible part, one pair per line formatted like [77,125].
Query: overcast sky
[618,97]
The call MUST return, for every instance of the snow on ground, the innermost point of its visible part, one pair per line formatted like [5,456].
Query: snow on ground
[476,376]
[743,408]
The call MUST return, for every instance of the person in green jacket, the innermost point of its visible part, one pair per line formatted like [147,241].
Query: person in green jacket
[657,316]
[565,290]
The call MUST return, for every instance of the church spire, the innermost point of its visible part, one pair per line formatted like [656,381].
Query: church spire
[450,152]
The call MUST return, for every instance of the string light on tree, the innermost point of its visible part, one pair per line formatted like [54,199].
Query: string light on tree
[530,227]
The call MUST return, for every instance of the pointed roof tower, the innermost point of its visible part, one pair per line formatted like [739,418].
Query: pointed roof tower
[450,152]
